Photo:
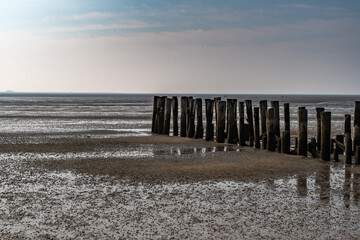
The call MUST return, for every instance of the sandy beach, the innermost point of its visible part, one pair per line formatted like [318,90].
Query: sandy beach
[162,187]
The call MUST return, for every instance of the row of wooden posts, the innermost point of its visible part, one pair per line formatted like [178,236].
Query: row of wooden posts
[262,127]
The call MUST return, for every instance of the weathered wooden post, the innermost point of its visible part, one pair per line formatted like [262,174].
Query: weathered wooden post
[348,148]
[160,109]
[167,116]
[275,105]
[209,135]
[191,119]
[250,121]
[325,135]
[220,127]
[175,113]
[339,138]
[319,110]
[232,131]
[257,126]
[241,124]
[357,155]
[356,137]
[356,126]
[263,112]
[287,116]
[216,100]
[302,132]
[285,139]
[199,133]
[154,114]
[347,124]
[183,122]
[270,126]
[357,113]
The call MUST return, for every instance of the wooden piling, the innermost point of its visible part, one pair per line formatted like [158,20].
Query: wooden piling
[263,113]
[199,133]
[241,124]
[160,109]
[356,137]
[339,138]
[220,127]
[275,105]
[154,114]
[319,110]
[191,118]
[216,100]
[257,126]
[285,139]
[175,113]
[348,148]
[250,121]
[357,113]
[209,128]
[270,127]
[302,132]
[312,148]
[347,124]
[357,155]
[167,116]
[232,131]
[183,122]
[287,116]
[325,135]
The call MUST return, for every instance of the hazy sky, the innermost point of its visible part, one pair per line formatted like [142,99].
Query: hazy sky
[240,46]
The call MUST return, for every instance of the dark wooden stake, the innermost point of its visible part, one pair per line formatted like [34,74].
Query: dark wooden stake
[175,106]
[160,109]
[285,139]
[191,118]
[183,122]
[356,137]
[154,114]
[250,121]
[257,127]
[168,102]
[325,135]
[357,113]
[263,113]
[220,127]
[209,135]
[348,150]
[275,105]
[270,126]
[216,100]
[302,132]
[287,116]
[357,155]
[347,124]
[241,124]
[319,110]
[232,131]
[199,121]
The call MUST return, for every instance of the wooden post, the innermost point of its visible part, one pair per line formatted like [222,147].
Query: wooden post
[250,121]
[287,116]
[332,142]
[302,132]
[348,151]
[336,154]
[220,127]
[175,116]
[285,139]
[167,116]
[319,110]
[347,124]
[257,126]
[184,107]
[199,123]
[154,114]
[357,113]
[232,131]
[160,108]
[216,100]
[357,155]
[263,113]
[209,135]
[241,124]
[356,137]
[191,119]
[275,105]
[270,126]
[325,135]
[339,138]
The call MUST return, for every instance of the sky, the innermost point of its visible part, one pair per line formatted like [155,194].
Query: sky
[206,46]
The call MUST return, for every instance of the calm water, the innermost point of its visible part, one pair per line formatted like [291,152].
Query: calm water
[39,116]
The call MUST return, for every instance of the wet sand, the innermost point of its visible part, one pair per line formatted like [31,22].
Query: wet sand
[170,187]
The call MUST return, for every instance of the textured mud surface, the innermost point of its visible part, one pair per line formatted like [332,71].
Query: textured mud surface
[161,187]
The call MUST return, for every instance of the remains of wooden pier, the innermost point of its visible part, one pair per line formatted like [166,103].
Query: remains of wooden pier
[260,128]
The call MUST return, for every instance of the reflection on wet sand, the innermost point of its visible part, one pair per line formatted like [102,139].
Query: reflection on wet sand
[302,185]
[347,187]
[323,181]
[356,187]
[200,151]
